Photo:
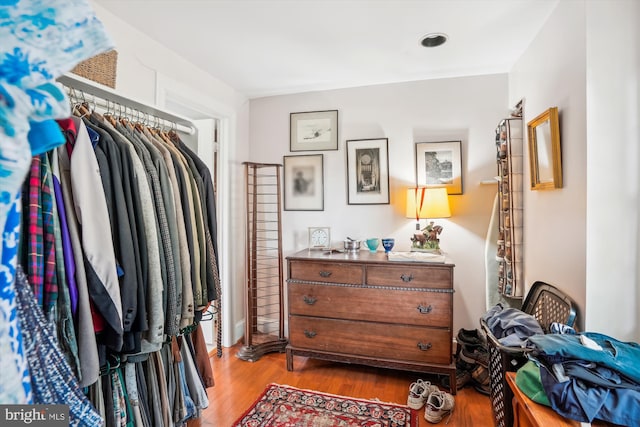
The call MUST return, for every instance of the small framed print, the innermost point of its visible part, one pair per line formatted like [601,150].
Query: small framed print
[303,183]
[368,171]
[313,131]
[439,164]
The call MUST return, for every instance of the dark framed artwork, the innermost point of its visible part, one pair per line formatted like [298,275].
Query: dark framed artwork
[303,183]
[313,131]
[368,171]
[439,164]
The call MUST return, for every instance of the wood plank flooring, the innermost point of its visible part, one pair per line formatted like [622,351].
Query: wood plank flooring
[239,383]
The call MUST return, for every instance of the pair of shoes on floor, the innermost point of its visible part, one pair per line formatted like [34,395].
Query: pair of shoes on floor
[472,347]
[471,338]
[463,375]
[481,379]
[473,373]
[473,359]
[439,405]
[419,391]
[473,355]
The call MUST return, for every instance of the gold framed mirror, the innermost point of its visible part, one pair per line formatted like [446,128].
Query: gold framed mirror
[544,151]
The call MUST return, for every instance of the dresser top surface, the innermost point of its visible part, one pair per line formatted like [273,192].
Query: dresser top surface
[363,256]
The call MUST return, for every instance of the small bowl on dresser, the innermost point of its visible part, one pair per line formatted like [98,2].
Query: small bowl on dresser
[352,246]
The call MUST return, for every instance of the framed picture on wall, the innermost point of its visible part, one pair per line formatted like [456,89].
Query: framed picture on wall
[303,183]
[313,131]
[368,171]
[439,164]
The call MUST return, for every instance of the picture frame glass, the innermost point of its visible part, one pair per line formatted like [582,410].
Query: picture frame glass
[368,171]
[303,183]
[313,131]
[439,164]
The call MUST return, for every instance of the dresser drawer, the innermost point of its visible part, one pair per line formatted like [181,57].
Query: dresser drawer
[371,304]
[410,276]
[376,340]
[325,272]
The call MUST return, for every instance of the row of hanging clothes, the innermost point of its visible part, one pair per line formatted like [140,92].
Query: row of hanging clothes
[119,251]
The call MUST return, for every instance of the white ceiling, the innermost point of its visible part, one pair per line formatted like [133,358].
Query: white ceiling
[274,47]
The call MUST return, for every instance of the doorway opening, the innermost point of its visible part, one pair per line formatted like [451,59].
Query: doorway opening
[211,142]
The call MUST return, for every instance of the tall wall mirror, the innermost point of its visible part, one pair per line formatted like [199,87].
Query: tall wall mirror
[544,151]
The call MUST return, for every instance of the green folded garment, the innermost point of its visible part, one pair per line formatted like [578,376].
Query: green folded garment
[528,380]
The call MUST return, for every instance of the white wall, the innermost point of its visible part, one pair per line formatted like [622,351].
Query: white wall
[144,73]
[141,58]
[613,159]
[552,73]
[571,64]
[584,238]
[466,109]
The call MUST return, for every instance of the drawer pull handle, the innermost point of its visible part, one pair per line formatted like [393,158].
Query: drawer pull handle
[325,273]
[424,347]
[424,310]
[309,300]
[406,278]
[311,334]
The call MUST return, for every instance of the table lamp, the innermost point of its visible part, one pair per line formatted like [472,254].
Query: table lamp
[429,203]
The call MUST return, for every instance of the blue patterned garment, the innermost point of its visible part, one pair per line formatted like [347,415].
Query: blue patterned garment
[39,41]
[15,383]
[51,377]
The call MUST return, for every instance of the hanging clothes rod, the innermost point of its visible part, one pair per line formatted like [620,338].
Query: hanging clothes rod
[108,99]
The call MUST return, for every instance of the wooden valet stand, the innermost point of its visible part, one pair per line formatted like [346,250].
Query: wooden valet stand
[264,301]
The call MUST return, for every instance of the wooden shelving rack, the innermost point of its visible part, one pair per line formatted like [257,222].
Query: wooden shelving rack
[264,302]
[509,145]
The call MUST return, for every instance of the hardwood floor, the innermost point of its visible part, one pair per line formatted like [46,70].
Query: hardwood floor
[239,383]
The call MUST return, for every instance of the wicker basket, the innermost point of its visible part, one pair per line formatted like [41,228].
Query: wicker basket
[100,68]
[548,305]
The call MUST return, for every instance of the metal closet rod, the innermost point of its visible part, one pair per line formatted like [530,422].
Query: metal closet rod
[108,99]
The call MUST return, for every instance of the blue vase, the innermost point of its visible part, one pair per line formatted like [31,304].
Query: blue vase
[387,244]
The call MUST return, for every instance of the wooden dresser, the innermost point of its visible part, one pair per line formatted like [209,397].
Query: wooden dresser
[368,310]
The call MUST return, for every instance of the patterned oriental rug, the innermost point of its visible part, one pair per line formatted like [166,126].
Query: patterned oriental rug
[282,405]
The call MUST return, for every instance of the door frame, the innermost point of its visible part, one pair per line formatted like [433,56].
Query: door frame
[172,93]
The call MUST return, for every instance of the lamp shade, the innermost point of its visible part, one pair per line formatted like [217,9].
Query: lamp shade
[431,203]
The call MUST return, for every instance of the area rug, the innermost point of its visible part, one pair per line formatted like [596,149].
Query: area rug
[283,405]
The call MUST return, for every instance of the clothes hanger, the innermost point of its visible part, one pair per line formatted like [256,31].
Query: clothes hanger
[112,364]
[152,128]
[173,134]
[163,133]
[125,118]
[111,118]
[80,106]
[209,313]
[107,114]
[141,125]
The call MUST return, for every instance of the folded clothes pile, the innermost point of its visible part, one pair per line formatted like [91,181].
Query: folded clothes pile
[584,376]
